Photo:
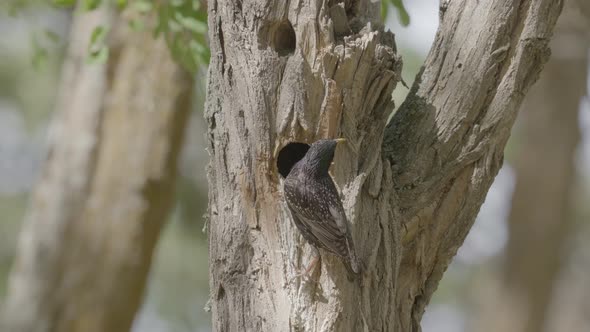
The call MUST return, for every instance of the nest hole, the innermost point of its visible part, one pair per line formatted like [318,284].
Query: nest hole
[284,39]
[289,155]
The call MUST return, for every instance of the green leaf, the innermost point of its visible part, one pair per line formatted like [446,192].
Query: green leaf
[136,25]
[99,57]
[201,16]
[64,3]
[183,54]
[196,47]
[199,49]
[91,4]
[143,6]
[52,36]
[192,24]
[183,24]
[174,26]
[384,9]
[40,56]
[205,57]
[98,51]
[98,36]
[162,23]
[196,5]
[404,17]
[121,3]
[14,7]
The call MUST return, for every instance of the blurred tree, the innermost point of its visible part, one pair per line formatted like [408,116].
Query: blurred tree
[107,185]
[299,71]
[540,218]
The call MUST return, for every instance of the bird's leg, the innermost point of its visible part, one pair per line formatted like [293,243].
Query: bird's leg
[316,257]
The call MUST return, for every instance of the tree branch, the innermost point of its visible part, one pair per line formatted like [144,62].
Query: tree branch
[446,141]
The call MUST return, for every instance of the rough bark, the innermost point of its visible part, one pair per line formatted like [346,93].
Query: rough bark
[106,187]
[540,218]
[411,190]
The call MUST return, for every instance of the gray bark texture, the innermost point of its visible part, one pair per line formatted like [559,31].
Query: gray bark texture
[411,189]
[106,188]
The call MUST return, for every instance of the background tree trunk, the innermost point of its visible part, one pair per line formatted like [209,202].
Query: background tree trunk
[107,185]
[285,71]
[540,218]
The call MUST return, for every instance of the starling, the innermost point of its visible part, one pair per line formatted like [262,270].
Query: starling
[316,208]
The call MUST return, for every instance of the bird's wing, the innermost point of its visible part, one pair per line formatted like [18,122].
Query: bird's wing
[348,245]
[322,232]
[327,223]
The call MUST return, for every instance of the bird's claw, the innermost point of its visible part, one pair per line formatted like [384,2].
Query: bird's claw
[298,273]
[306,273]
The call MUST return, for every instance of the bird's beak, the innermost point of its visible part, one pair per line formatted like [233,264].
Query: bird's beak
[340,140]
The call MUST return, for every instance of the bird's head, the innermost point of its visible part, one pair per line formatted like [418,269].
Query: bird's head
[320,154]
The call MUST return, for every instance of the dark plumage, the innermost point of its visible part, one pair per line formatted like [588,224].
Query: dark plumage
[316,207]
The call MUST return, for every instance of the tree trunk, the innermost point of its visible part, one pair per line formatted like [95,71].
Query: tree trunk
[540,218]
[107,185]
[298,71]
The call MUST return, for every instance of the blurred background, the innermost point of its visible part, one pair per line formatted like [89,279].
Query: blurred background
[525,265]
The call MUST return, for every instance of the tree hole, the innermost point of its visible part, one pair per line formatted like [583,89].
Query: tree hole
[284,38]
[289,155]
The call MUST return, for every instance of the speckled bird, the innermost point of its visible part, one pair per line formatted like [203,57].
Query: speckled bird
[316,208]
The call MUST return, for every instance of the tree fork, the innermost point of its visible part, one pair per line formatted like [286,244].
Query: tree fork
[285,71]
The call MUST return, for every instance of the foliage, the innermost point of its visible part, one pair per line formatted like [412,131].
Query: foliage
[182,23]
[13,7]
[404,17]
[98,51]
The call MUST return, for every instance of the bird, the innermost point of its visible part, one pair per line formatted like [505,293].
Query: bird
[316,208]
